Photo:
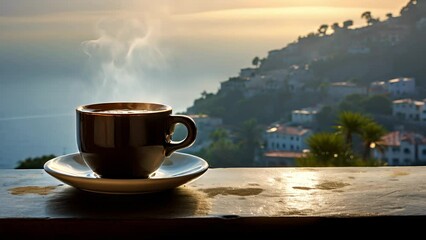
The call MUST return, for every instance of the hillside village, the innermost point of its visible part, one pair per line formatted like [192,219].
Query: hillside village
[296,91]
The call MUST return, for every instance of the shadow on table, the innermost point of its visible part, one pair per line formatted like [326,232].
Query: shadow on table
[180,202]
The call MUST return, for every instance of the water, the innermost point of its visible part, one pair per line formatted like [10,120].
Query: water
[38,117]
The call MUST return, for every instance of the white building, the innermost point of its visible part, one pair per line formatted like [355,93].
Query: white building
[396,87]
[401,86]
[339,90]
[409,109]
[303,116]
[402,148]
[286,138]
[262,84]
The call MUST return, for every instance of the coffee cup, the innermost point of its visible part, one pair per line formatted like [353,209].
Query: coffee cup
[129,139]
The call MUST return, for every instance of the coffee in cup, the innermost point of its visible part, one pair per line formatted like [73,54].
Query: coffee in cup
[129,139]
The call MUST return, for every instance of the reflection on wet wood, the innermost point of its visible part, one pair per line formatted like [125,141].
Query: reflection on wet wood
[278,198]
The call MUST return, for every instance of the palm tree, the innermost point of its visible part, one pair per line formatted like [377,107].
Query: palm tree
[326,149]
[255,61]
[350,123]
[367,16]
[371,134]
[322,29]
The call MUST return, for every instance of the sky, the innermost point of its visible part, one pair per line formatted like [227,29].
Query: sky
[168,51]
[58,54]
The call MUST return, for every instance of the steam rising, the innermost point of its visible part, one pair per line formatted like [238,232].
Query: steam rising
[123,60]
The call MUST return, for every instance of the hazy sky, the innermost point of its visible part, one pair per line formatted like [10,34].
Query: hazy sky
[181,47]
[58,54]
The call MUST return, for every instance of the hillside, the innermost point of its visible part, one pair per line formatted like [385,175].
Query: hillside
[297,75]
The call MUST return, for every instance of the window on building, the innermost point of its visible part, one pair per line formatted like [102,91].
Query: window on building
[406,150]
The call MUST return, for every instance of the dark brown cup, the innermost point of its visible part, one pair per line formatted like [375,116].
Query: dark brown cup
[129,139]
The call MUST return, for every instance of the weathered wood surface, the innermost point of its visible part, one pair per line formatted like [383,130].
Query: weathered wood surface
[233,198]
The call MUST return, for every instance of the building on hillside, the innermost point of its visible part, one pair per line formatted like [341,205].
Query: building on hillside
[205,126]
[392,34]
[408,109]
[247,72]
[304,116]
[283,144]
[263,84]
[378,88]
[397,87]
[402,148]
[281,137]
[339,90]
[233,84]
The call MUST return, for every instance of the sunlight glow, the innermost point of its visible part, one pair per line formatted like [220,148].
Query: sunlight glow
[301,185]
[274,129]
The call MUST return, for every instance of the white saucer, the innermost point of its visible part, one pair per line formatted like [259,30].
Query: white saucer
[178,169]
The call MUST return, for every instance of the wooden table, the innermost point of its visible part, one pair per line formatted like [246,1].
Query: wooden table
[223,202]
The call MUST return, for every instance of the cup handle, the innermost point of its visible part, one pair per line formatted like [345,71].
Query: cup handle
[189,123]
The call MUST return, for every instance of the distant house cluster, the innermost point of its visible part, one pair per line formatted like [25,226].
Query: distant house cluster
[284,142]
[402,148]
[290,71]
[339,90]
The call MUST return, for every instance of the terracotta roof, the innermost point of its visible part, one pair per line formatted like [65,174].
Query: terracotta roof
[395,138]
[407,100]
[283,129]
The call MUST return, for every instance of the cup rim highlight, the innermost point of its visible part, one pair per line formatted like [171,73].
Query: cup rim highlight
[97,108]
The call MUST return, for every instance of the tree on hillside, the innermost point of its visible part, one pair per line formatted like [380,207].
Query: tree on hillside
[326,149]
[410,5]
[34,163]
[255,61]
[222,152]
[335,149]
[369,18]
[335,27]
[377,104]
[350,123]
[322,30]
[249,134]
[371,134]
[347,24]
